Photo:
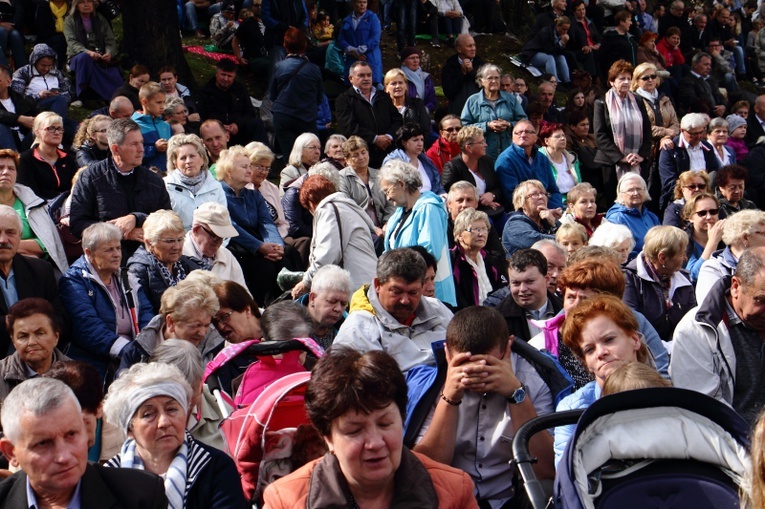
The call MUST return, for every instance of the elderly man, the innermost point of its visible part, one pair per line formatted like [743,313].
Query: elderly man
[458,74]
[755,123]
[118,189]
[718,345]
[689,152]
[556,258]
[45,435]
[22,276]
[699,90]
[675,17]
[546,97]
[522,161]
[392,314]
[210,226]
[367,113]
[695,37]
[120,107]
[463,195]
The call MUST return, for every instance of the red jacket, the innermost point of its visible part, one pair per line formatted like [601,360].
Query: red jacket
[671,56]
[441,152]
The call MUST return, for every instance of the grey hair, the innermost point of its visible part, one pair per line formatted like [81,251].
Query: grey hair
[397,170]
[9,212]
[750,267]
[174,146]
[327,170]
[538,245]
[693,121]
[484,70]
[99,233]
[460,185]
[296,155]
[519,194]
[184,356]
[335,137]
[402,263]
[698,56]
[118,129]
[38,396]
[611,235]
[286,320]
[626,178]
[259,152]
[740,223]
[204,277]
[160,222]
[331,278]
[718,122]
[188,296]
[467,217]
[170,104]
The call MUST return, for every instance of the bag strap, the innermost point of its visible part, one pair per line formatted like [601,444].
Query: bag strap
[340,231]
[297,70]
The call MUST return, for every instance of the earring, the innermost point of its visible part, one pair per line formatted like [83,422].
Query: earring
[663,266]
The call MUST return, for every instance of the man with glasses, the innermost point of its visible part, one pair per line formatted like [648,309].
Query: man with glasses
[522,161]
[445,148]
[689,152]
[699,89]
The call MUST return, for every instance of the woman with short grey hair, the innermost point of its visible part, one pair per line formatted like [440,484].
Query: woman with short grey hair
[160,262]
[329,297]
[631,210]
[107,305]
[333,149]
[304,153]
[718,137]
[150,403]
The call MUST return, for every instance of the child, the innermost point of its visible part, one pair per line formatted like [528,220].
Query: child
[155,131]
[572,236]
[633,376]
[736,134]
[323,29]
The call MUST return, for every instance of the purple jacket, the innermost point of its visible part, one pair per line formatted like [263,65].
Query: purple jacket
[430,93]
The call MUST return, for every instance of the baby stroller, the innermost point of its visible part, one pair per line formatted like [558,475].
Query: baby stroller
[651,448]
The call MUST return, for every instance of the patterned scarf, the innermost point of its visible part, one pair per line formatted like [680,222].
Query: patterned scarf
[626,122]
[175,478]
[193,183]
[167,276]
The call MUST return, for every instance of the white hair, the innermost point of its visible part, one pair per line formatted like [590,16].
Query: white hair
[331,278]
[38,396]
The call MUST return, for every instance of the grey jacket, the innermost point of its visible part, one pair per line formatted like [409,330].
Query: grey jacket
[352,186]
[13,371]
[42,225]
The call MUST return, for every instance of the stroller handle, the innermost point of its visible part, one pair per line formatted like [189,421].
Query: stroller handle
[523,459]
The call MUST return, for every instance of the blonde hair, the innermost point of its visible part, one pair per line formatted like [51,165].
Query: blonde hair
[179,140]
[633,376]
[568,230]
[43,120]
[226,161]
[259,152]
[160,222]
[393,73]
[669,240]
[519,195]
[639,71]
[755,478]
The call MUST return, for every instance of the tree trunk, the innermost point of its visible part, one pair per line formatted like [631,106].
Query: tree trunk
[151,36]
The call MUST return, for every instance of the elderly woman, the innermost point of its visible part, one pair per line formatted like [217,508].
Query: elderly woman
[622,126]
[630,209]
[306,151]
[564,164]
[39,236]
[90,48]
[238,317]
[90,141]
[330,294]
[259,248]
[420,220]
[741,231]
[705,231]
[615,237]
[410,140]
[34,330]
[362,184]
[474,166]
[44,168]
[731,183]
[186,313]
[342,234]
[364,396]
[188,182]
[261,158]
[176,113]
[107,307]
[412,109]
[492,110]
[476,272]
[160,263]
[531,221]
[151,403]
[718,138]
[419,83]
[658,106]
[603,334]
[333,148]
[656,285]
[689,184]
[582,208]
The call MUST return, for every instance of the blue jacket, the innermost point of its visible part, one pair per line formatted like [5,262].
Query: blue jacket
[478,112]
[366,33]
[249,213]
[299,95]
[141,266]
[582,398]
[426,227]
[152,130]
[512,168]
[430,169]
[638,222]
[93,313]
[520,232]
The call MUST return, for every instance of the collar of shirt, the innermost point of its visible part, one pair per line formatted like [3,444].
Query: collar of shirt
[114,165]
[371,96]
[761,121]
[684,144]
[700,76]
[74,502]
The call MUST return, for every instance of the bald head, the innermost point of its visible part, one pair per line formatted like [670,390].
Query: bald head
[120,107]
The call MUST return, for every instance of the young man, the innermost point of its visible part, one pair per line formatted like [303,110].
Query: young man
[155,131]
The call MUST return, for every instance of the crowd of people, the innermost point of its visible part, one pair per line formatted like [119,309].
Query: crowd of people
[432,258]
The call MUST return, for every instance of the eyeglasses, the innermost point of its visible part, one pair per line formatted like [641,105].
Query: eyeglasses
[388,189]
[54,129]
[634,190]
[452,129]
[695,133]
[705,213]
[179,240]
[213,237]
[478,231]
[527,131]
[649,77]
[695,187]
[735,187]
[100,131]
[222,318]
[536,196]
[260,167]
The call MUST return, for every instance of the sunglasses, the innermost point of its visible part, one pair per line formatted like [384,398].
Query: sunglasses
[695,187]
[649,77]
[710,212]
[452,129]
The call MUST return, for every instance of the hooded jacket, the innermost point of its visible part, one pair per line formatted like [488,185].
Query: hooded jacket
[720,265]
[53,79]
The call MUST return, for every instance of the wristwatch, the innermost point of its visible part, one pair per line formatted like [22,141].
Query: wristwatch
[518,396]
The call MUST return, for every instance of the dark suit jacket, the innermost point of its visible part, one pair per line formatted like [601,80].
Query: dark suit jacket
[34,278]
[457,86]
[104,488]
[693,90]
[753,130]
[675,161]
[693,40]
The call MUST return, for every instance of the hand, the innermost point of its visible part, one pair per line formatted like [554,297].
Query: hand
[557,213]
[48,93]
[382,142]
[299,289]
[715,233]
[26,121]
[135,234]
[487,373]
[467,66]
[455,374]
[564,39]
[106,57]
[125,224]
[378,231]
[487,199]
[586,49]
[194,117]
[242,60]
[161,145]
[666,143]
[720,110]
[7,25]
[94,55]
[271,251]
